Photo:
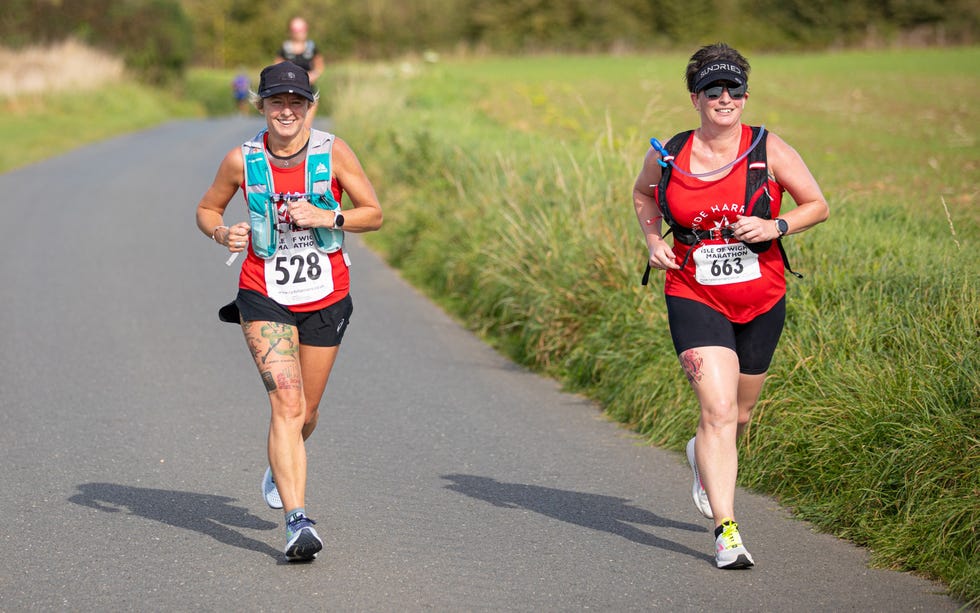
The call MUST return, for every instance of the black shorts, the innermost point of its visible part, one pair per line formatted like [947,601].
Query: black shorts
[323,328]
[693,324]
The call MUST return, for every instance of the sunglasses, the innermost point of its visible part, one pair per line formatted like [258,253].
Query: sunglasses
[713,91]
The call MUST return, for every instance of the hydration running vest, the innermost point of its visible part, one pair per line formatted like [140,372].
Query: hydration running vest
[265,206]
[757,199]
[303,59]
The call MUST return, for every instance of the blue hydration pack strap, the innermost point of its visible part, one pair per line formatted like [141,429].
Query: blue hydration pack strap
[263,201]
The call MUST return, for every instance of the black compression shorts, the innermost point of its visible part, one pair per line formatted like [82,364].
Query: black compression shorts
[693,324]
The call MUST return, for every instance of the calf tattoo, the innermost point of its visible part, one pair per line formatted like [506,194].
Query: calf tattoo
[693,365]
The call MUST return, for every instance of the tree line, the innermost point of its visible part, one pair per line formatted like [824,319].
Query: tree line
[159,38]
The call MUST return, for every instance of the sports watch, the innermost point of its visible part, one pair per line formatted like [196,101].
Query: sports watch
[338,220]
[782,226]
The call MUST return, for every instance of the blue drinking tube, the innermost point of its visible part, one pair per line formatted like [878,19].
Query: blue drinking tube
[666,158]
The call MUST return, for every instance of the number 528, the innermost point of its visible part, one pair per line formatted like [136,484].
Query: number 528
[297,269]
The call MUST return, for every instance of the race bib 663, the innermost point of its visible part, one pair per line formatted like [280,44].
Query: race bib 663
[724,264]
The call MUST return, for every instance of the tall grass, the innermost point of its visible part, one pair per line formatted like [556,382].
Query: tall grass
[506,186]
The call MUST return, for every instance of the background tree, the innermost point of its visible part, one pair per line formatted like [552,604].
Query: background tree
[159,38]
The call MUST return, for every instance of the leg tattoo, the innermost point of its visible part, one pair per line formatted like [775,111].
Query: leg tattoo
[692,362]
[280,337]
[269,381]
[275,349]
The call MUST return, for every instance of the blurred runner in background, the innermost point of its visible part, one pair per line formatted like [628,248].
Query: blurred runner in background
[302,51]
[240,86]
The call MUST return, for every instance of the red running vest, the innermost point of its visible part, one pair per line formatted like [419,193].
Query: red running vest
[713,204]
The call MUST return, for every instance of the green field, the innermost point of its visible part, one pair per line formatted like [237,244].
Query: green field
[507,192]
[506,185]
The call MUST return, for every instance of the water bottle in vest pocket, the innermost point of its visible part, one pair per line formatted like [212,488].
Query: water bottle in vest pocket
[265,234]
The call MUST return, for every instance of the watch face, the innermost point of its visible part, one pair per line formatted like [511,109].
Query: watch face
[782,226]
[338,221]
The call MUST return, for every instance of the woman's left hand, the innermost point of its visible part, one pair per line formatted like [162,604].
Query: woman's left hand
[754,229]
[305,215]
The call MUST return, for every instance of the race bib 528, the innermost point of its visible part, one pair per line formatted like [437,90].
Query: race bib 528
[299,272]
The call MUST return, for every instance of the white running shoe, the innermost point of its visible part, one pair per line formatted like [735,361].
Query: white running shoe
[269,490]
[729,551]
[697,491]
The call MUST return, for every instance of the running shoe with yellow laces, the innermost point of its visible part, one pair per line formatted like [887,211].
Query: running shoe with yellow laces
[729,551]
[697,491]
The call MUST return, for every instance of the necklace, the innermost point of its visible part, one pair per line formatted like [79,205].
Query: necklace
[285,159]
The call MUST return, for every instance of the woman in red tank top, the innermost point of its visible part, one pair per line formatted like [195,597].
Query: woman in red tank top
[294,307]
[725,294]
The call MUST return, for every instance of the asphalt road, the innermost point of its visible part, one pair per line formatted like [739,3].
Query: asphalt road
[442,476]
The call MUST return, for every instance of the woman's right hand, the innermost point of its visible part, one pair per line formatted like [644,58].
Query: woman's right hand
[237,239]
[662,256]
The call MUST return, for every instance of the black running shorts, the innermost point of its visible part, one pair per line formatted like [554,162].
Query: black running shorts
[323,328]
[693,324]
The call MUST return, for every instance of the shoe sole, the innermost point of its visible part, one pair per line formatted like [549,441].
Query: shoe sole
[696,488]
[273,502]
[304,548]
[742,561]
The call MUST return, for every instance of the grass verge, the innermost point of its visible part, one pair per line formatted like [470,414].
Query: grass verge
[38,126]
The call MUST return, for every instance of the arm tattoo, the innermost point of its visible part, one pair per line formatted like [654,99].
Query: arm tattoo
[692,362]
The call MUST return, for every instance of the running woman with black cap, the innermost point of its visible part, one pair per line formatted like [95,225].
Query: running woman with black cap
[725,286]
[293,300]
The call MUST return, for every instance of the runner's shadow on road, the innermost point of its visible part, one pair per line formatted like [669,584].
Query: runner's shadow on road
[205,513]
[606,513]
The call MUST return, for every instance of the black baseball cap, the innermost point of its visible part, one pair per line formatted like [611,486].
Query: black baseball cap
[285,78]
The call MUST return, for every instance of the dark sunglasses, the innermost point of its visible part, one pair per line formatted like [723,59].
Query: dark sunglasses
[713,91]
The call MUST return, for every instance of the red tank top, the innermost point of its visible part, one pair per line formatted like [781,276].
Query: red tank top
[293,180]
[725,279]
